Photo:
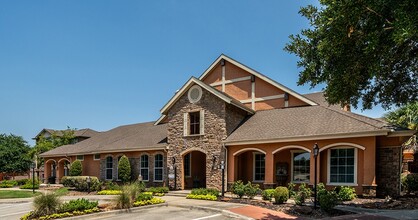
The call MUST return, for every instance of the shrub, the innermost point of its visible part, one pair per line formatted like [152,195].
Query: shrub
[124,200]
[109,192]
[148,202]
[110,186]
[46,204]
[346,193]
[291,188]
[144,196]
[251,190]
[281,195]
[204,191]
[22,181]
[238,188]
[321,189]
[76,168]
[303,193]
[158,190]
[328,200]
[124,169]
[29,184]
[80,183]
[8,183]
[202,197]
[410,182]
[77,205]
[268,194]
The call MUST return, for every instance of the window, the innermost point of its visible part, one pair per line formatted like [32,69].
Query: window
[80,157]
[194,123]
[259,166]
[109,168]
[342,165]
[144,167]
[300,166]
[187,164]
[96,157]
[158,167]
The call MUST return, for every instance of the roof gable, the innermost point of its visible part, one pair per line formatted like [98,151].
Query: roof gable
[214,66]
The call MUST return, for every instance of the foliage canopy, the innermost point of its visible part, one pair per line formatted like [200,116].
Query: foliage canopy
[361,49]
[13,154]
[124,169]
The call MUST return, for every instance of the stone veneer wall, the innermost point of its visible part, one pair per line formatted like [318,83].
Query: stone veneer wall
[388,171]
[217,116]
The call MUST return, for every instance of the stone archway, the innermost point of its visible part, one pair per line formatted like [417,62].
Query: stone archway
[194,170]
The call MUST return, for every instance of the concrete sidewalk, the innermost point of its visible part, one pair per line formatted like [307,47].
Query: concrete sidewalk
[383,213]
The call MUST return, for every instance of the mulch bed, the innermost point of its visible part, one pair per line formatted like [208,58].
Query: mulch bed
[401,203]
[290,209]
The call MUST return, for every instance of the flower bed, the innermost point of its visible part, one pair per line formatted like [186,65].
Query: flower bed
[152,201]
[202,197]
[61,215]
[109,192]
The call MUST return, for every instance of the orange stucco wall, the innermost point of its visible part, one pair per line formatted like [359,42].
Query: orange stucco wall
[365,160]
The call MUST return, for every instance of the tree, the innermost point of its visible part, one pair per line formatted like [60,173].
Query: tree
[124,169]
[362,50]
[405,116]
[57,139]
[13,154]
[76,168]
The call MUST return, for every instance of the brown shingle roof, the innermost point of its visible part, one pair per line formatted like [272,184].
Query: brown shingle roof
[85,132]
[319,98]
[124,138]
[303,122]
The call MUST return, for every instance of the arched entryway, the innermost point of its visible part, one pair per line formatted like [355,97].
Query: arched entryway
[50,171]
[292,163]
[194,169]
[63,168]
[250,165]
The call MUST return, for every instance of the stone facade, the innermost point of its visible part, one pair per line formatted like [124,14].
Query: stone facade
[388,171]
[220,119]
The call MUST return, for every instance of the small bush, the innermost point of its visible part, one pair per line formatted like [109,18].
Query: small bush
[80,183]
[160,190]
[202,197]
[77,205]
[144,196]
[46,204]
[291,188]
[303,193]
[251,190]
[152,201]
[109,192]
[124,169]
[268,194]
[281,195]
[8,183]
[29,184]
[238,188]
[124,200]
[204,191]
[346,193]
[110,186]
[321,189]
[328,200]
[410,182]
[22,182]
[76,168]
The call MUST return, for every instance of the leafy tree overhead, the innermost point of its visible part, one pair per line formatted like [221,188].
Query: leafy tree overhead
[124,169]
[76,168]
[13,154]
[362,50]
[405,116]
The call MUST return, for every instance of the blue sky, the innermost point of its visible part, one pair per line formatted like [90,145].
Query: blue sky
[101,64]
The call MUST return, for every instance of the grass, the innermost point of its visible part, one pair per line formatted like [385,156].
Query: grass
[11,194]
[61,191]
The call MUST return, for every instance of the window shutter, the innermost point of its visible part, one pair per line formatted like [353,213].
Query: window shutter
[185,125]
[202,121]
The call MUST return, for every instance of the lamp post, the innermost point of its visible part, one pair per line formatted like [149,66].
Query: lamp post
[32,166]
[315,152]
[223,178]
[88,184]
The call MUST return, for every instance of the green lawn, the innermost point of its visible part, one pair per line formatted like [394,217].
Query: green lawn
[61,191]
[10,194]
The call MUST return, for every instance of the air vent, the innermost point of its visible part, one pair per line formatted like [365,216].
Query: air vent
[195,94]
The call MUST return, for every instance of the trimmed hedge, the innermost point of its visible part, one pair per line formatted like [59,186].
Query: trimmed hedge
[29,184]
[152,201]
[8,183]
[78,205]
[268,194]
[109,192]
[159,190]
[204,191]
[202,197]
[124,169]
[80,183]
[76,168]
[281,195]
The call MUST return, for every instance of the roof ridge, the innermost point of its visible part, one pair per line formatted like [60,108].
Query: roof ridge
[339,112]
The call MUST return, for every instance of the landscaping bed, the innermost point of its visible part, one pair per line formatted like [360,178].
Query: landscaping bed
[401,203]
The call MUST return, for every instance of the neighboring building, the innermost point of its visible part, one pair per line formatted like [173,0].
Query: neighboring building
[261,130]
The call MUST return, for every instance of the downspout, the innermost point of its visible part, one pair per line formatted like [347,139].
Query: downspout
[226,164]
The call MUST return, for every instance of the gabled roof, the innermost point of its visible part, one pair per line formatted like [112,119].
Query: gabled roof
[319,98]
[194,81]
[134,137]
[257,74]
[85,132]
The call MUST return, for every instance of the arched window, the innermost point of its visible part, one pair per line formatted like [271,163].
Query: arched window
[109,168]
[158,168]
[144,167]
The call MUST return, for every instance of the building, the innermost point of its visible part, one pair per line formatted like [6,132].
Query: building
[259,129]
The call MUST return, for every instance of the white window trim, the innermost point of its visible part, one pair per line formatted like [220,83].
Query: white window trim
[190,164]
[94,156]
[140,168]
[186,123]
[76,157]
[292,152]
[329,167]
[108,168]
[258,181]
[162,169]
